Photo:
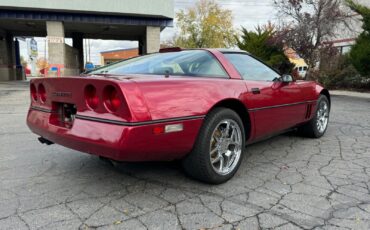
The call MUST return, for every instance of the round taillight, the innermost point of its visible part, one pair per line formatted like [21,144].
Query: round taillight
[33,92]
[42,93]
[111,97]
[92,99]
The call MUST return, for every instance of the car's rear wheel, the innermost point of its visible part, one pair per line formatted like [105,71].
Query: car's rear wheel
[318,125]
[218,151]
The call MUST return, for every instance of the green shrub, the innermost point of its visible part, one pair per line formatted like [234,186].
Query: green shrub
[265,44]
[360,54]
[343,76]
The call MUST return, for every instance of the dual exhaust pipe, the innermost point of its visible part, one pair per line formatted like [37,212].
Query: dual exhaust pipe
[45,141]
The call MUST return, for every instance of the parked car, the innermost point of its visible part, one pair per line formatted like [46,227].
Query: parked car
[201,106]
[302,71]
[300,66]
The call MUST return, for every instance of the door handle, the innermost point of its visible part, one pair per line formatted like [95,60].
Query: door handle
[256,91]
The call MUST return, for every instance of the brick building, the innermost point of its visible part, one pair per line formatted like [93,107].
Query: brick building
[110,56]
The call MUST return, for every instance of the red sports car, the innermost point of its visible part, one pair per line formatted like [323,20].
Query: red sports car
[202,106]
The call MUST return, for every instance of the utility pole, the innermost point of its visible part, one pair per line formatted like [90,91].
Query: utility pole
[85,51]
[89,50]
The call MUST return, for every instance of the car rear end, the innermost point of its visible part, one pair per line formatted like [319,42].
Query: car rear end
[105,117]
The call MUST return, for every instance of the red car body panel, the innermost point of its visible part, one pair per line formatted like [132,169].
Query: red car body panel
[155,101]
[117,142]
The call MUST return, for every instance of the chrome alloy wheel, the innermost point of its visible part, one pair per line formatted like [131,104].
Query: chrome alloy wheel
[226,147]
[322,116]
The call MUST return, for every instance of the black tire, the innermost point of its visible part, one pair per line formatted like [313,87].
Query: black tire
[311,129]
[198,163]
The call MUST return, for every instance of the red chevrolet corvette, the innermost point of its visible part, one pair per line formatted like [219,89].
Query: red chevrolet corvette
[202,106]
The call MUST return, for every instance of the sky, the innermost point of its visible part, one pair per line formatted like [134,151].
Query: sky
[247,13]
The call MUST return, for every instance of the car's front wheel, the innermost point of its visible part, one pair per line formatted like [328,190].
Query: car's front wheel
[218,151]
[317,126]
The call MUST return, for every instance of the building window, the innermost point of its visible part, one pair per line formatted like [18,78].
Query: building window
[344,49]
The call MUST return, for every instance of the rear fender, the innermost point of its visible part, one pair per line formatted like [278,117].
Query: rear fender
[241,110]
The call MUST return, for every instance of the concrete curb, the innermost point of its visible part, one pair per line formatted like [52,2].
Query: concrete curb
[349,93]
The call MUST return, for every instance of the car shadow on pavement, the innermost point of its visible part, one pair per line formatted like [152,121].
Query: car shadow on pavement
[171,172]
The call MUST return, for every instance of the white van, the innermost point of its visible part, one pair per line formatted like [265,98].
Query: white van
[302,70]
[300,67]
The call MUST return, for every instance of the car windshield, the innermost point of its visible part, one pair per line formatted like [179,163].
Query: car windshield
[185,63]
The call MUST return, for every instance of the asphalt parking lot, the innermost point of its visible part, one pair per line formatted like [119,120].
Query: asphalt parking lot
[286,182]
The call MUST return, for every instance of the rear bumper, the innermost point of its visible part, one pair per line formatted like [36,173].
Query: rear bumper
[118,142]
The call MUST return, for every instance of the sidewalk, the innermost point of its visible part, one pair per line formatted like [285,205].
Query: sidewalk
[349,93]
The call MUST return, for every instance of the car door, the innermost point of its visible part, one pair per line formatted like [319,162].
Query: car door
[274,105]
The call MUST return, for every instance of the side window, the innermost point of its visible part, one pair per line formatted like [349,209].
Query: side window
[250,68]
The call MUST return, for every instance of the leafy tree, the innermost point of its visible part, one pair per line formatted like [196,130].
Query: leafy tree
[206,25]
[266,44]
[309,23]
[360,53]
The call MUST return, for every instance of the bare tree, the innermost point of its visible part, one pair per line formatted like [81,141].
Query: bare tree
[309,23]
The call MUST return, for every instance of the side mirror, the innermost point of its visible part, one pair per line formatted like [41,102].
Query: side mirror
[286,78]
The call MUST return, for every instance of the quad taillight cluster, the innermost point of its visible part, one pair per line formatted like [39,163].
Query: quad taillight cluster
[38,93]
[110,98]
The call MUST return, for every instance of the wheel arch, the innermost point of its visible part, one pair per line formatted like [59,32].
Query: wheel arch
[327,94]
[237,106]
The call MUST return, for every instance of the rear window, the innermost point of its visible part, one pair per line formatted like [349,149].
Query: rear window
[198,63]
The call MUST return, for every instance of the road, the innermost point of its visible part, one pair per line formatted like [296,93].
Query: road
[286,182]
